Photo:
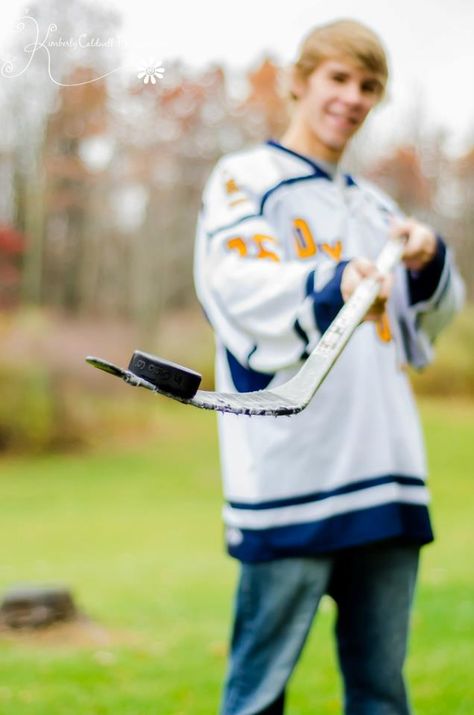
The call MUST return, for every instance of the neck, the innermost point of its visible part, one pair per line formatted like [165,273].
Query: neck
[300,138]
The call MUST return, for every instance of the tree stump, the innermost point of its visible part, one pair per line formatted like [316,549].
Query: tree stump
[36,607]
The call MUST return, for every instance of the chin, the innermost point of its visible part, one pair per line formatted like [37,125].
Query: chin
[340,142]
[337,145]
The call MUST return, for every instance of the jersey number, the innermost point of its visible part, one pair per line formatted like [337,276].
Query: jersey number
[306,246]
[258,245]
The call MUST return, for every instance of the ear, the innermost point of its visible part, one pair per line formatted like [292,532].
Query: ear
[296,84]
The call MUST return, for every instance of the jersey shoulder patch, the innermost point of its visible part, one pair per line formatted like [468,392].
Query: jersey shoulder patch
[250,170]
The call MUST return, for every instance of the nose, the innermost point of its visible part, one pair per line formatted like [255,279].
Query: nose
[353,93]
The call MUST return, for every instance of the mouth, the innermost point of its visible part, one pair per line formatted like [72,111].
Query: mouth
[343,121]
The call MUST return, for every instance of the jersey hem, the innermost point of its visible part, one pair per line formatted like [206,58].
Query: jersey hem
[396,520]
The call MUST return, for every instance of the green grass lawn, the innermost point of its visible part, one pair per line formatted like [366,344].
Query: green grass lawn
[137,535]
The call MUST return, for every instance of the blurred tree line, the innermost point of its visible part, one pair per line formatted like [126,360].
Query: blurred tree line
[101,176]
[101,180]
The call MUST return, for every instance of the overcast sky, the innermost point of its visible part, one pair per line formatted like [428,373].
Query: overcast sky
[430,42]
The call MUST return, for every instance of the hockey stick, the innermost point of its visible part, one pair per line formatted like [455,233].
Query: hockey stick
[293,396]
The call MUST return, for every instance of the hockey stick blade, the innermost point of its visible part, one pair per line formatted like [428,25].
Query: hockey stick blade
[293,396]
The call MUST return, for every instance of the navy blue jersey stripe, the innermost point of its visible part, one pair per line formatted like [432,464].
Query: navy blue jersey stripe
[234,224]
[409,523]
[329,301]
[316,168]
[287,182]
[422,284]
[309,288]
[301,333]
[319,496]
[244,378]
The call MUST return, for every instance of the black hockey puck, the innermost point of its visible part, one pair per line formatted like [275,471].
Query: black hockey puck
[167,376]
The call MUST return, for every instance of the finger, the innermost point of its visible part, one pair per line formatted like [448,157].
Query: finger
[379,306]
[365,268]
[386,285]
[400,227]
[420,248]
[415,241]
[377,309]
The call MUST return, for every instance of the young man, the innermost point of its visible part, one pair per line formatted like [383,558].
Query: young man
[333,500]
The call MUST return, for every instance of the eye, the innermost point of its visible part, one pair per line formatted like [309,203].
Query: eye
[339,77]
[371,87]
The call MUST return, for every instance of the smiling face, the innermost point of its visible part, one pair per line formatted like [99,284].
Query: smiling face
[332,103]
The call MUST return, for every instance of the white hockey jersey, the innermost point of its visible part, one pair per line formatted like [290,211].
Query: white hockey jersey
[274,234]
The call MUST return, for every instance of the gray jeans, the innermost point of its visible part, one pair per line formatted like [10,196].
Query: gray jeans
[275,605]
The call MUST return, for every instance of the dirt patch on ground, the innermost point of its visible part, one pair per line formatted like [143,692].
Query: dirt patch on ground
[78,633]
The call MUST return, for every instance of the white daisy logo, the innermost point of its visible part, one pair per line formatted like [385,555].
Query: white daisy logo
[151,71]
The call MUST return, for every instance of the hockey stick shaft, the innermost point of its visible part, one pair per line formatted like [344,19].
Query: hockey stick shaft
[305,383]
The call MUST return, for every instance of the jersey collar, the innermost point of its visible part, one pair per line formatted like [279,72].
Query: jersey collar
[317,168]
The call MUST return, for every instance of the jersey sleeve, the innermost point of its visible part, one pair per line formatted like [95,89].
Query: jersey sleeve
[434,295]
[426,300]
[268,311]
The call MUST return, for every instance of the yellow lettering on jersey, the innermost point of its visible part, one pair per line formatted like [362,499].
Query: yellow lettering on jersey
[334,251]
[231,187]
[263,252]
[259,240]
[237,244]
[304,241]
[383,329]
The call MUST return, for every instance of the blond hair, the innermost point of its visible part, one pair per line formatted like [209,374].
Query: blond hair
[343,39]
